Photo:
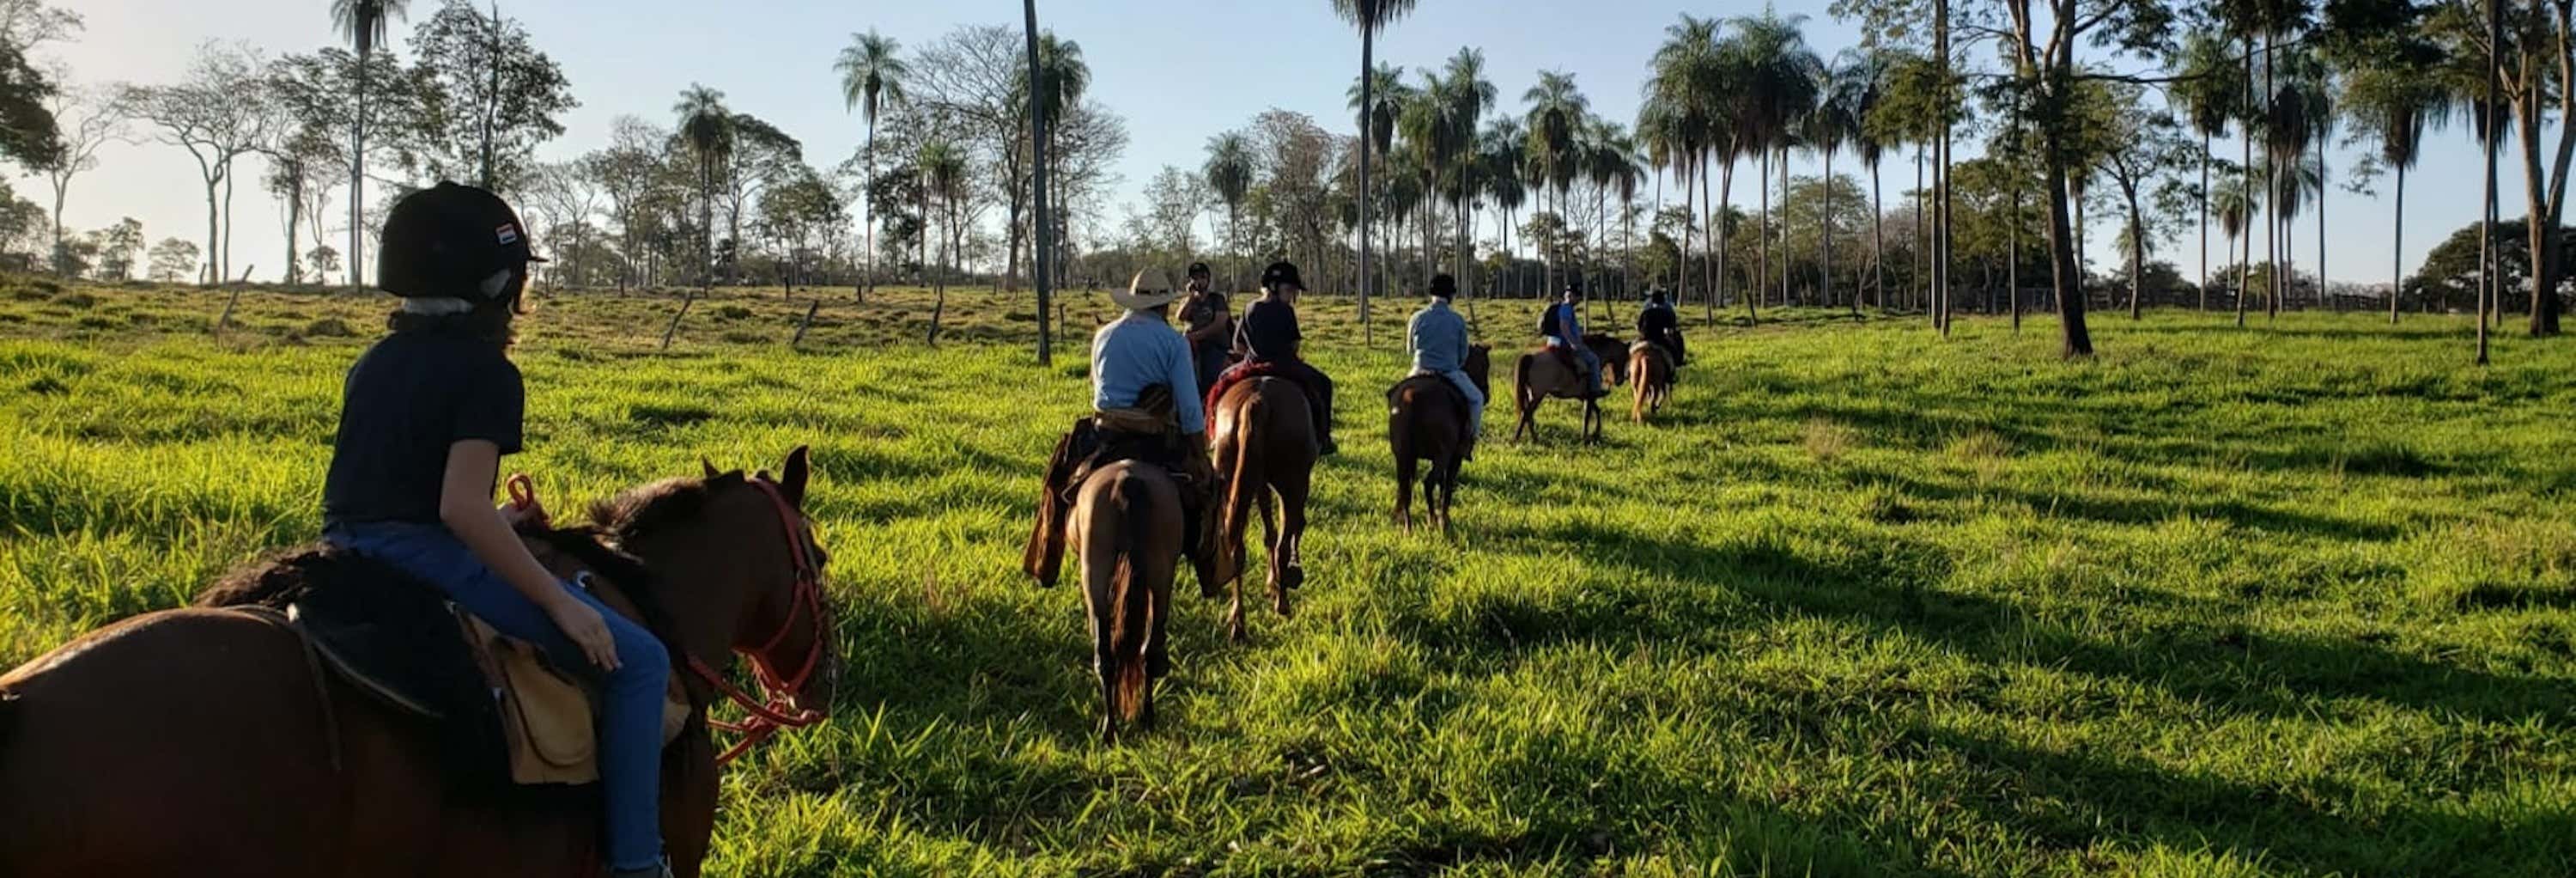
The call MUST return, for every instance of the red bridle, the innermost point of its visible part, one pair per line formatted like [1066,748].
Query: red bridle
[774,709]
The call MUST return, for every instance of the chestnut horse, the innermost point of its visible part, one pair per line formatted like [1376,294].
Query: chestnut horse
[1650,373]
[1126,525]
[204,742]
[1265,449]
[1541,375]
[1427,420]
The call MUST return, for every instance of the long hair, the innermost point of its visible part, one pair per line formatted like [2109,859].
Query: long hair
[490,319]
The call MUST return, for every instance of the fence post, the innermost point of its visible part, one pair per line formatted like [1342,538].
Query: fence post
[801,325]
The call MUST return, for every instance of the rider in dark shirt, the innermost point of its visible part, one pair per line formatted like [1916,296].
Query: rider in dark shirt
[1657,323]
[1269,337]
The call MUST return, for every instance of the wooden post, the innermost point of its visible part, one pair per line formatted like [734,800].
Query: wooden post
[801,325]
[229,301]
[686,299]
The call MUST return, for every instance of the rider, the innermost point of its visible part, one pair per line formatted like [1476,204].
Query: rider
[425,417]
[1563,330]
[1438,339]
[1138,364]
[1657,323]
[1269,337]
[1211,323]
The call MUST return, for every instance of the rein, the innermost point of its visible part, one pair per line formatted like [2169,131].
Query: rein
[773,709]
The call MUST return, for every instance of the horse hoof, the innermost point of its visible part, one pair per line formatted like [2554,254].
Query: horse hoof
[1291,578]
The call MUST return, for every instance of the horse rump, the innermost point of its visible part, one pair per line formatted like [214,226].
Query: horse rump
[1134,599]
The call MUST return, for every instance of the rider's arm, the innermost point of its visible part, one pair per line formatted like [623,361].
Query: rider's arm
[465,506]
[1183,378]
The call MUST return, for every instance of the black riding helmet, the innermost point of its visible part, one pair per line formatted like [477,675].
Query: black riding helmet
[1279,273]
[446,240]
[1444,287]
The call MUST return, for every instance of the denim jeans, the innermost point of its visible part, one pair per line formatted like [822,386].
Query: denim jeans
[630,730]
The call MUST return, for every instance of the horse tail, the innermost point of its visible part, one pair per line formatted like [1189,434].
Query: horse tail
[1135,599]
[8,714]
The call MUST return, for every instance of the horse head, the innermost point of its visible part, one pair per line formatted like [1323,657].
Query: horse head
[1479,366]
[741,573]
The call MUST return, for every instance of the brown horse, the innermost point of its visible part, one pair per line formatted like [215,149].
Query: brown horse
[203,742]
[1650,371]
[1126,523]
[1427,421]
[1541,375]
[1265,448]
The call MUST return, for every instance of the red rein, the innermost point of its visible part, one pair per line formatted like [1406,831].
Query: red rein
[774,708]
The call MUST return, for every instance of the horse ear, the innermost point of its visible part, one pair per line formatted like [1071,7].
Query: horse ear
[791,481]
[709,466]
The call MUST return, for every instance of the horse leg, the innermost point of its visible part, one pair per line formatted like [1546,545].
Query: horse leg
[1291,546]
[1404,470]
[1157,655]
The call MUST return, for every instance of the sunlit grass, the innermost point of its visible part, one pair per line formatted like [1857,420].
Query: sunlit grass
[2289,600]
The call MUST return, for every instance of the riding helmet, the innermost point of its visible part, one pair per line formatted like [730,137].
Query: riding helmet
[1443,286]
[1279,273]
[447,240]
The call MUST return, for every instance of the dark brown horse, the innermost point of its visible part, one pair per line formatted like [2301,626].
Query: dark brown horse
[1265,449]
[1650,372]
[1126,525]
[1427,421]
[202,742]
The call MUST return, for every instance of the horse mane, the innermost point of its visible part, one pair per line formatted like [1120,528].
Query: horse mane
[279,578]
[654,507]
[589,545]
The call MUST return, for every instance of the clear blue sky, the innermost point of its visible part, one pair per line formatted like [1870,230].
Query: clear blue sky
[1177,70]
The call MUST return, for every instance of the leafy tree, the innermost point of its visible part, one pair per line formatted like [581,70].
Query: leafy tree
[85,119]
[2450,271]
[486,99]
[173,260]
[118,246]
[2208,92]
[1229,172]
[29,132]
[218,113]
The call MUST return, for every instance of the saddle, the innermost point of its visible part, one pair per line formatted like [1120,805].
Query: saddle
[1148,432]
[498,707]
[1247,370]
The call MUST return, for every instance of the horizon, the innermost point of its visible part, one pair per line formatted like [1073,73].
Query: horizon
[615,72]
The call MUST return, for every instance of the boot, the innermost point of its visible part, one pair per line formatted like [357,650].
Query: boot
[657,870]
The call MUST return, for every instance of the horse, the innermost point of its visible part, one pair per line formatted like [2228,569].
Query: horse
[1427,421]
[1541,375]
[204,741]
[1263,432]
[1126,524]
[1650,368]
[1613,354]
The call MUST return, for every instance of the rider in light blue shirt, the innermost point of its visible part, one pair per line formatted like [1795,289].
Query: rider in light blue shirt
[1563,329]
[1140,350]
[1438,339]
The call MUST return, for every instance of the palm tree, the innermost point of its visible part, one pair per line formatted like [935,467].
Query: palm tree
[707,128]
[1834,122]
[364,23]
[2289,129]
[1424,125]
[943,175]
[2394,104]
[1501,150]
[1467,96]
[2236,207]
[2206,94]
[1377,98]
[1370,16]
[1063,77]
[1608,155]
[1777,87]
[1687,97]
[871,79]
[1556,114]
[1229,172]
[1865,90]
[1668,147]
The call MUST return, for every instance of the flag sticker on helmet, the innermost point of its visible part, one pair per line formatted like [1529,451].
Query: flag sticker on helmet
[507,234]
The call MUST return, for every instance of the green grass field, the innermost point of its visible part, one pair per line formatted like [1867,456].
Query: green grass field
[2298,599]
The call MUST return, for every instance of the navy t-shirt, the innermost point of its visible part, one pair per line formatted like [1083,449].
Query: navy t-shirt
[408,399]
[1269,331]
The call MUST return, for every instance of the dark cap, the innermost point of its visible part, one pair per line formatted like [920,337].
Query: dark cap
[446,239]
[1198,268]
[1443,286]
[1279,273]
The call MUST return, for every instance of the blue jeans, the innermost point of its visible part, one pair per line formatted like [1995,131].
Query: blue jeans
[630,731]
[1582,354]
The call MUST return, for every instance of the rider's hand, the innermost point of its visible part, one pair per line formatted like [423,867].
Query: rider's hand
[532,512]
[583,625]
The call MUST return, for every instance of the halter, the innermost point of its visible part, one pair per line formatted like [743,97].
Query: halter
[773,710]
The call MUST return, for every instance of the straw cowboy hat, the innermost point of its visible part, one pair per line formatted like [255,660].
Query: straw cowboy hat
[1149,290]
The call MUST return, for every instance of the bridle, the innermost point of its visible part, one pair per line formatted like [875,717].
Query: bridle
[773,709]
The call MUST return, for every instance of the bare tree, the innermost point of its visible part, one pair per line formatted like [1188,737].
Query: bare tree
[87,119]
[218,113]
